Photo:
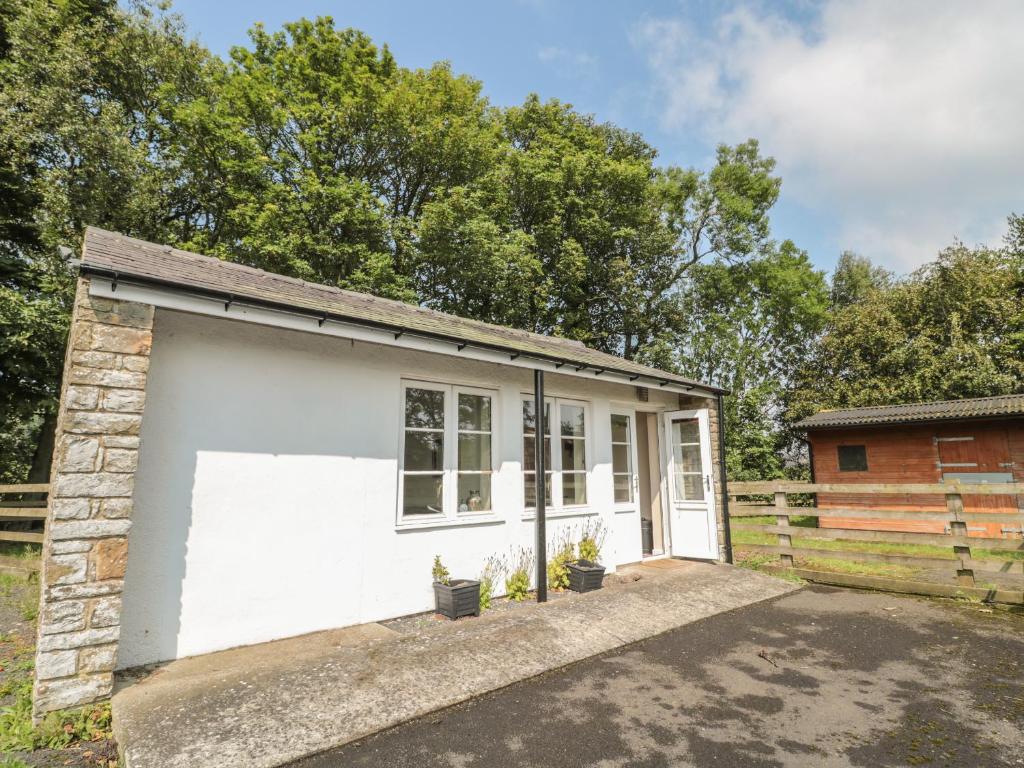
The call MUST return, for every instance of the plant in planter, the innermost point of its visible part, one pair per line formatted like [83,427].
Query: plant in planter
[454,597]
[563,553]
[587,573]
[517,584]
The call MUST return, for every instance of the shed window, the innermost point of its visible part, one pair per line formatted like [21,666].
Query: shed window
[565,477]
[853,458]
[446,457]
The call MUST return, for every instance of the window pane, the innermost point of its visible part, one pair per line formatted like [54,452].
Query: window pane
[531,489]
[572,420]
[474,451]
[423,495]
[529,454]
[853,458]
[475,493]
[530,421]
[424,451]
[620,458]
[623,488]
[685,431]
[475,412]
[424,408]
[574,488]
[620,428]
[687,458]
[689,487]
[574,455]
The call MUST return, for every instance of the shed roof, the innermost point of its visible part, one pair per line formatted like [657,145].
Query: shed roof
[938,410]
[132,261]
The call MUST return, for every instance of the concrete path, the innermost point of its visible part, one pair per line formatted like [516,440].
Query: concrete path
[267,705]
[822,678]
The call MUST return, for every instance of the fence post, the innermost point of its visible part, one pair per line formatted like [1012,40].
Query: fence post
[958,527]
[785,540]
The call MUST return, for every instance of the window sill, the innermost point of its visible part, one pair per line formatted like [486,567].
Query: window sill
[450,522]
[531,514]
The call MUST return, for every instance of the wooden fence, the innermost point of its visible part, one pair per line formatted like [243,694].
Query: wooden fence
[19,504]
[1001,577]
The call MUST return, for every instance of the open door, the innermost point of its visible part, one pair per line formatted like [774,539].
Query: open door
[693,531]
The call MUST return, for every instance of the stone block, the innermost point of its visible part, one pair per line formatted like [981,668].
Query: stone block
[110,558]
[121,339]
[82,591]
[66,569]
[70,509]
[139,363]
[56,664]
[122,313]
[81,398]
[93,485]
[78,454]
[63,616]
[85,637]
[92,359]
[71,692]
[106,611]
[106,378]
[89,529]
[101,658]
[120,460]
[91,423]
[124,400]
[121,441]
[116,508]
[71,546]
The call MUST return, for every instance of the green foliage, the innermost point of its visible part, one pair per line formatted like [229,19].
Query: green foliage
[563,553]
[13,762]
[592,539]
[494,568]
[517,583]
[952,329]
[439,572]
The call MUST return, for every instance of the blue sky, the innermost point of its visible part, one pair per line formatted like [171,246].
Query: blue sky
[895,125]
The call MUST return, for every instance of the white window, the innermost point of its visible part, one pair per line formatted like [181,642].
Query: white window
[446,458]
[565,481]
[622,457]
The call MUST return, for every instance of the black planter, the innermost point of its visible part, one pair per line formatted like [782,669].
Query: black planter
[585,576]
[459,598]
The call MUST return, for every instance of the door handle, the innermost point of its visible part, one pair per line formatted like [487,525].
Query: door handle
[707,483]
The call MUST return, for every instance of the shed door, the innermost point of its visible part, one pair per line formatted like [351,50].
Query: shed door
[691,488]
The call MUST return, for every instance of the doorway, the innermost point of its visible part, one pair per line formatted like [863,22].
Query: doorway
[691,485]
[649,485]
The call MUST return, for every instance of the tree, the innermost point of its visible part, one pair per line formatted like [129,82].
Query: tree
[952,329]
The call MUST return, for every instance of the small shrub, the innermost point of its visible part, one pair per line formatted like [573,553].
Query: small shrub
[517,585]
[440,573]
[591,540]
[558,564]
[493,569]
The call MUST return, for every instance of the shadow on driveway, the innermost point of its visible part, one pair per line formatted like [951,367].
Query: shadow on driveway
[820,677]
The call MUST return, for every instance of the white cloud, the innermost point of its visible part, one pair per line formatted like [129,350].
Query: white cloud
[573,63]
[900,121]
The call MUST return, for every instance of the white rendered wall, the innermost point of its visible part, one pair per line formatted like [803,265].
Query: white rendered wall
[265,500]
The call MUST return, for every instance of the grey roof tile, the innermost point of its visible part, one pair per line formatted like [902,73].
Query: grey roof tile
[140,261]
[939,410]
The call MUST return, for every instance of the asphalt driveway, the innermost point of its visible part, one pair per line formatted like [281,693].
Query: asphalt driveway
[820,677]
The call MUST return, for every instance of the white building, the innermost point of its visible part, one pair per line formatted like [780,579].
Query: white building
[244,457]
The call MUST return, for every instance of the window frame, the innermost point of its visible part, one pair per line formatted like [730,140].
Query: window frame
[554,506]
[634,491]
[839,457]
[450,472]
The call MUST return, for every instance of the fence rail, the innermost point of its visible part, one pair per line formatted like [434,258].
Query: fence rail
[796,545]
[28,505]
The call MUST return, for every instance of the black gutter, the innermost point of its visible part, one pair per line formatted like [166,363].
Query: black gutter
[321,316]
[725,481]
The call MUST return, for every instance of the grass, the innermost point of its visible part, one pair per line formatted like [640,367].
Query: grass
[27,600]
[20,550]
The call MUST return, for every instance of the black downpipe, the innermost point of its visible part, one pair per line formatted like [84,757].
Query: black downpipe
[725,482]
[541,545]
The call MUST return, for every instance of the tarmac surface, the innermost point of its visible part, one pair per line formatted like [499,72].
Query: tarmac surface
[819,677]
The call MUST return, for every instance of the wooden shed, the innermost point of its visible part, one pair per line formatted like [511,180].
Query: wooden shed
[977,440]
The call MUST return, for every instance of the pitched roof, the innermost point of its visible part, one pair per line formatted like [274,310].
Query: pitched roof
[939,410]
[134,261]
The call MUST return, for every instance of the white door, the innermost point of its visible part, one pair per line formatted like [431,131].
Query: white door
[624,471]
[690,485]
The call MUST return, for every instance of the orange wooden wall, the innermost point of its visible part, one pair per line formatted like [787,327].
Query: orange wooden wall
[920,454]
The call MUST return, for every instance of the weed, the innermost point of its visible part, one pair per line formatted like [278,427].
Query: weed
[562,553]
[12,762]
[591,540]
[517,584]
[439,572]
[494,568]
